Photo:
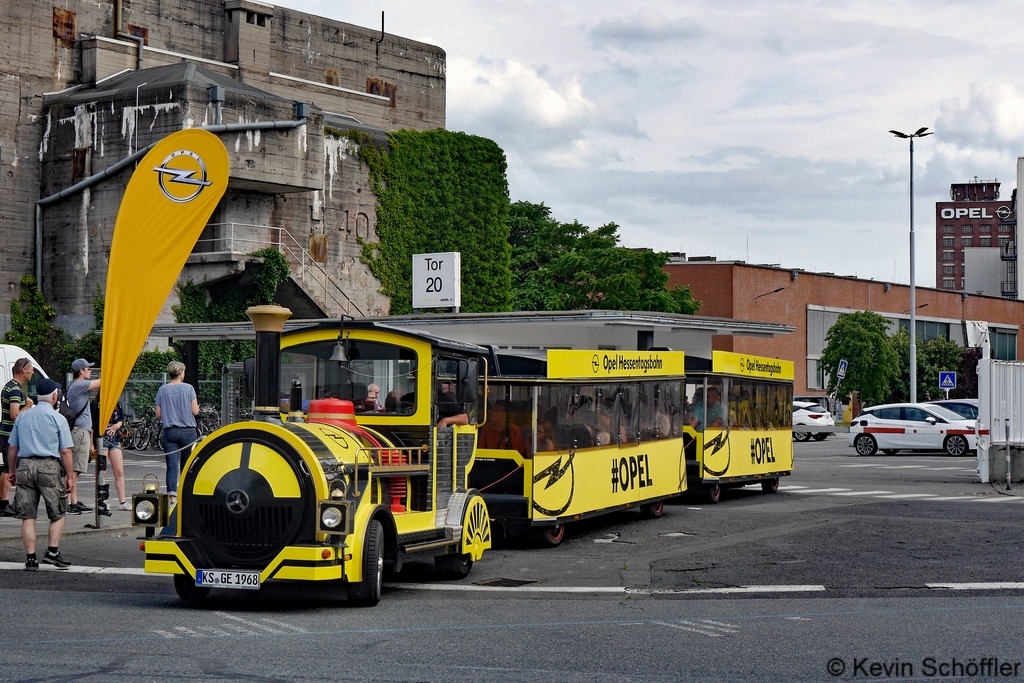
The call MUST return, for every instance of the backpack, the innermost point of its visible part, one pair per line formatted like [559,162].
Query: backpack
[69,413]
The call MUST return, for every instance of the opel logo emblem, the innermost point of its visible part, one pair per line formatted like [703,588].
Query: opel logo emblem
[178,173]
[238,501]
[1004,212]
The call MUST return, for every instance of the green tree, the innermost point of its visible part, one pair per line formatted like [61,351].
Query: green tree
[32,327]
[933,356]
[439,191]
[567,266]
[862,339]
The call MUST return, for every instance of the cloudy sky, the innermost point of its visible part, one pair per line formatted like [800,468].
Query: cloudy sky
[707,126]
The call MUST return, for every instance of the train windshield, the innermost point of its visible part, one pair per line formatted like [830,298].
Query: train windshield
[378,378]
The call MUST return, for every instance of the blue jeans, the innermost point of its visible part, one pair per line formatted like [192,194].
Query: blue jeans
[173,439]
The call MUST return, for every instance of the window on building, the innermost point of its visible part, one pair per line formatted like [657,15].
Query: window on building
[961,257]
[947,283]
[963,269]
[947,256]
[1004,227]
[949,241]
[966,229]
[927,329]
[985,229]
[963,283]
[1003,241]
[985,242]
[966,241]
[949,270]
[1004,345]
[948,229]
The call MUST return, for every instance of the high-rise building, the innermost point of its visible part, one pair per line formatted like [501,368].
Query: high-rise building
[974,240]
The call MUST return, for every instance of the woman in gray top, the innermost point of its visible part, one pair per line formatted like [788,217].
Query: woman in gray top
[176,407]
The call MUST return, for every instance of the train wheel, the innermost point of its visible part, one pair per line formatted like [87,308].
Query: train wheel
[712,493]
[552,535]
[367,592]
[652,510]
[453,566]
[770,485]
[186,588]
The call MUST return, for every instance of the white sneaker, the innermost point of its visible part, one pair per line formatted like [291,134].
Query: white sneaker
[124,506]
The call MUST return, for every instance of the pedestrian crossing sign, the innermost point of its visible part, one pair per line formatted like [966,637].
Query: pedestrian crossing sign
[947,380]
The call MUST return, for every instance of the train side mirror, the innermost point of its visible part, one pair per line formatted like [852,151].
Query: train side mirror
[249,374]
[466,381]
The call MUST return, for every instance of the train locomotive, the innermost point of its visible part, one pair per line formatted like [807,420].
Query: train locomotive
[326,483]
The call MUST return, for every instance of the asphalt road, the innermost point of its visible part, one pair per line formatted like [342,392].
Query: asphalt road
[905,563]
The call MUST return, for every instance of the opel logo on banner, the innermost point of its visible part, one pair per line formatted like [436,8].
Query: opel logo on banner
[238,501]
[178,173]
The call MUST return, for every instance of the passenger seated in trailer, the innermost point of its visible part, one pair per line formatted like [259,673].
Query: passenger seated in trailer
[715,415]
[607,433]
[391,401]
[545,437]
[449,411]
[499,432]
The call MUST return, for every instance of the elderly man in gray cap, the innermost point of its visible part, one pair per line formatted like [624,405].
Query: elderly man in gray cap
[39,443]
[81,433]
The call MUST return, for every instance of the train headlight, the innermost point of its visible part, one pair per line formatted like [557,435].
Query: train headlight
[145,510]
[331,517]
[335,517]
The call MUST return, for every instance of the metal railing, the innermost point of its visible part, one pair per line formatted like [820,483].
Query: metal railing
[310,273]
[1009,287]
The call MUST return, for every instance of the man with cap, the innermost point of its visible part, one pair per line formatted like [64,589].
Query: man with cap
[81,434]
[40,442]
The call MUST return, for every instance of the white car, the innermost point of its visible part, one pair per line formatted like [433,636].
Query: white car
[911,426]
[811,414]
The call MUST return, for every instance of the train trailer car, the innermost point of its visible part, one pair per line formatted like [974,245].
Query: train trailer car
[738,423]
[571,434]
[328,483]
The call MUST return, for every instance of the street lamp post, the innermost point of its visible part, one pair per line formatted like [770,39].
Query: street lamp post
[920,133]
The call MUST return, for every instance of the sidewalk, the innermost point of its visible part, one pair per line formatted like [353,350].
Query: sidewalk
[135,468]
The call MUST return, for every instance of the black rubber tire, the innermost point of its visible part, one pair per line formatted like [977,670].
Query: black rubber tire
[553,535]
[801,436]
[367,592]
[770,485]
[890,451]
[865,444]
[453,566]
[712,494]
[820,436]
[186,588]
[955,444]
[652,510]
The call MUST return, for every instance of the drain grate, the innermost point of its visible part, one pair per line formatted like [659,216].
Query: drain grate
[505,583]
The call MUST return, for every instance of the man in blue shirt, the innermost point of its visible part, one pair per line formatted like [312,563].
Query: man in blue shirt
[39,442]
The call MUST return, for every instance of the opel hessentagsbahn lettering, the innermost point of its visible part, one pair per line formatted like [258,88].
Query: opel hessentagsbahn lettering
[911,426]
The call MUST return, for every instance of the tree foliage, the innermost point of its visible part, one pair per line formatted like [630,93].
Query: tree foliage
[861,339]
[32,327]
[439,191]
[567,266]
[933,356]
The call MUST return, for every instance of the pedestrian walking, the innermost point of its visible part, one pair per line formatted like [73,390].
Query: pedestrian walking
[13,400]
[40,451]
[81,433]
[176,407]
[111,445]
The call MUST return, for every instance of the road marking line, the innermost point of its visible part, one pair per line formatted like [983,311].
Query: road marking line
[864,465]
[470,588]
[686,628]
[910,495]
[187,631]
[79,569]
[165,634]
[790,487]
[214,631]
[728,628]
[247,622]
[906,467]
[821,490]
[282,624]
[960,498]
[861,493]
[993,586]
[999,499]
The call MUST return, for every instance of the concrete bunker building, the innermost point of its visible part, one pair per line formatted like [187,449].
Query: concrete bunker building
[86,84]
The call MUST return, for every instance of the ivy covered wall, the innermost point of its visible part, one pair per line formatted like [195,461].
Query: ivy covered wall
[439,191]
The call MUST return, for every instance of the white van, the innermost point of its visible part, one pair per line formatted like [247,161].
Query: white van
[9,354]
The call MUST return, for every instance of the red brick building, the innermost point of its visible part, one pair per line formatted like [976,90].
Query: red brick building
[975,217]
[812,302]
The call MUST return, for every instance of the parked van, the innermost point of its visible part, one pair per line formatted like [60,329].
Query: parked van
[9,354]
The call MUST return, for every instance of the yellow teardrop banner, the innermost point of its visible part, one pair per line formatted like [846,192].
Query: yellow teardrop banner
[168,201]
